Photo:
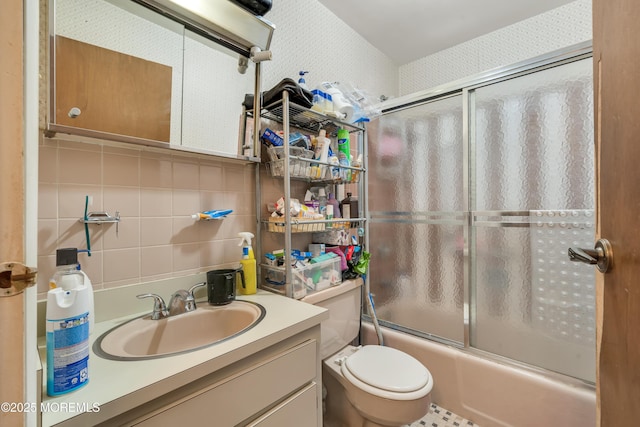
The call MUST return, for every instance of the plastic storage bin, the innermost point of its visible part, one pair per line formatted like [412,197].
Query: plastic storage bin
[307,279]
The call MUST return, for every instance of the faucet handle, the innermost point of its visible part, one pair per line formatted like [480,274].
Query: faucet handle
[191,302]
[159,307]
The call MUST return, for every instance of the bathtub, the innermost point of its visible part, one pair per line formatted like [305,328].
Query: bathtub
[490,393]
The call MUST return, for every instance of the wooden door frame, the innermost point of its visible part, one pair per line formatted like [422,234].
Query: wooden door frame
[12,192]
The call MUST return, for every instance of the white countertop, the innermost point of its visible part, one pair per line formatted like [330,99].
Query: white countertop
[113,384]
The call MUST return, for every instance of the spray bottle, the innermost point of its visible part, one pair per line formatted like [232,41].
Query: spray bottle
[248,262]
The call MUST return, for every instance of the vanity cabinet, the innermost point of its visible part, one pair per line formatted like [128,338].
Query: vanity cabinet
[108,91]
[249,392]
[269,388]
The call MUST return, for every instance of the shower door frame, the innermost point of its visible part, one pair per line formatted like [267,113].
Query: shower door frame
[466,87]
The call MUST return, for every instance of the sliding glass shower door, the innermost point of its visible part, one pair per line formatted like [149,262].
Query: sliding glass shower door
[474,199]
[416,202]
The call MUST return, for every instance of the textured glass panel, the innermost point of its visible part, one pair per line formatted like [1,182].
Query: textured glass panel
[415,159]
[529,309]
[416,275]
[416,193]
[534,153]
[534,141]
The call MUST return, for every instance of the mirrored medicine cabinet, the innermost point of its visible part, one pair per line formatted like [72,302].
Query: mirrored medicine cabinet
[120,71]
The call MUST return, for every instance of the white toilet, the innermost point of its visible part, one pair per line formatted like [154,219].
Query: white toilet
[370,385]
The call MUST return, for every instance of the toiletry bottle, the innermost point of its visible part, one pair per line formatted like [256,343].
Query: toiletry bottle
[67,326]
[344,144]
[344,154]
[69,275]
[322,202]
[301,82]
[329,215]
[349,207]
[248,262]
[332,201]
[323,149]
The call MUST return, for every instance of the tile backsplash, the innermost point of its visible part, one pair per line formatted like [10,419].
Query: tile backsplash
[155,192]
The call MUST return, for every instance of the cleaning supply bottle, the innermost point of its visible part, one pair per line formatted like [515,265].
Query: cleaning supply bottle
[69,304]
[67,277]
[248,262]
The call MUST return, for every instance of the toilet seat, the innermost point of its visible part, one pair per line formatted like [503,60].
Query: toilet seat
[387,372]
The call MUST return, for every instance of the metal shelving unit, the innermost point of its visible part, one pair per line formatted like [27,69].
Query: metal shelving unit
[292,116]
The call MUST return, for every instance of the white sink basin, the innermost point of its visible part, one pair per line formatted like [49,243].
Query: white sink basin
[143,338]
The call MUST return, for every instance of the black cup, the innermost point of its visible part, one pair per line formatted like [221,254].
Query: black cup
[221,285]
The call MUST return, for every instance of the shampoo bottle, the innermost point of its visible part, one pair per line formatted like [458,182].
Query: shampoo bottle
[248,262]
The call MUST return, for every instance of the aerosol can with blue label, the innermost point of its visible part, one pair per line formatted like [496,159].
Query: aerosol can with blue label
[69,309]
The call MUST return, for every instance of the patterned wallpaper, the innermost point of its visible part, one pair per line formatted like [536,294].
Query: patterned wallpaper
[558,28]
[309,37]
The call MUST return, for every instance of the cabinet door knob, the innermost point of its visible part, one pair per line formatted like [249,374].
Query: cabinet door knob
[74,112]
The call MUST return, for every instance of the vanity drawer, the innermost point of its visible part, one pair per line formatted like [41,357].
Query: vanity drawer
[301,407]
[245,394]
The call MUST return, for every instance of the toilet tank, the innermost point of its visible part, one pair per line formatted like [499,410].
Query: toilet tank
[342,326]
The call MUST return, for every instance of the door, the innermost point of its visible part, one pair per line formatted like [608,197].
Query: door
[616,61]
[11,213]
[529,188]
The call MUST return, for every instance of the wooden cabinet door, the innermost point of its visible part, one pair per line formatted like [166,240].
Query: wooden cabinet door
[113,92]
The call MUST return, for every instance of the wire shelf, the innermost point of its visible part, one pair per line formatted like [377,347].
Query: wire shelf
[304,118]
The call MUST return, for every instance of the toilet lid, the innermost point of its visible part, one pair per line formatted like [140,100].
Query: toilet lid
[388,369]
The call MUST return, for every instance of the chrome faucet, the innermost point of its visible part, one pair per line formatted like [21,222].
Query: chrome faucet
[159,307]
[183,301]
